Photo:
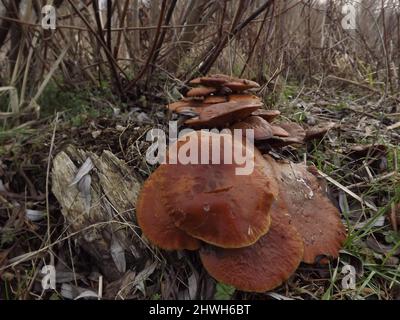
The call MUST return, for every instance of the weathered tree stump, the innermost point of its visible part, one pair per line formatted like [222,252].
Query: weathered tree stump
[97,195]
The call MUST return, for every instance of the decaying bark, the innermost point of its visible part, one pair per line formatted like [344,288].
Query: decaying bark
[98,204]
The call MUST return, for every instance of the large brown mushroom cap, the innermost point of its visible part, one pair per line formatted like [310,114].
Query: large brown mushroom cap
[312,214]
[221,114]
[262,266]
[212,202]
[154,220]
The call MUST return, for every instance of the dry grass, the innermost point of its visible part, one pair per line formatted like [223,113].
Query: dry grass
[109,82]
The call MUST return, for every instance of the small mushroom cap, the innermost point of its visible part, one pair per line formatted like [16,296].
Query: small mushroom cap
[317,132]
[244,97]
[268,115]
[211,201]
[279,132]
[221,114]
[253,84]
[312,214]
[262,266]
[241,85]
[211,81]
[154,220]
[189,111]
[200,91]
[233,83]
[262,129]
[195,81]
[294,130]
[192,111]
[183,104]
[296,135]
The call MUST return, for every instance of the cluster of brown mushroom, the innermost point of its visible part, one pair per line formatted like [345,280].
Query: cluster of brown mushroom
[252,231]
[220,101]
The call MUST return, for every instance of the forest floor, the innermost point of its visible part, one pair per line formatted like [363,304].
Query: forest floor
[360,155]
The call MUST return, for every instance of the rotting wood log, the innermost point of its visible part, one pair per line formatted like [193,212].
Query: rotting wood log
[97,200]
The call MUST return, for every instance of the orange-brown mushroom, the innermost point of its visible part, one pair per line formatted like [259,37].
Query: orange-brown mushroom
[200,91]
[233,83]
[262,266]
[312,214]
[296,135]
[189,111]
[268,115]
[154,220]
[213,81]
[262,129]
[222,114]
[244,97]
[295,131]
[210,81]
[215,99]
[184,103]
[241,85]
[279,131]
[211,202]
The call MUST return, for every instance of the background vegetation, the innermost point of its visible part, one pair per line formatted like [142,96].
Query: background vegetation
[101,78]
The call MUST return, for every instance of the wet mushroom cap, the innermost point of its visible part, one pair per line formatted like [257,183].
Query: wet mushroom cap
[156,224]
[221,114]
[262,266]
[212,202]
[311,212]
